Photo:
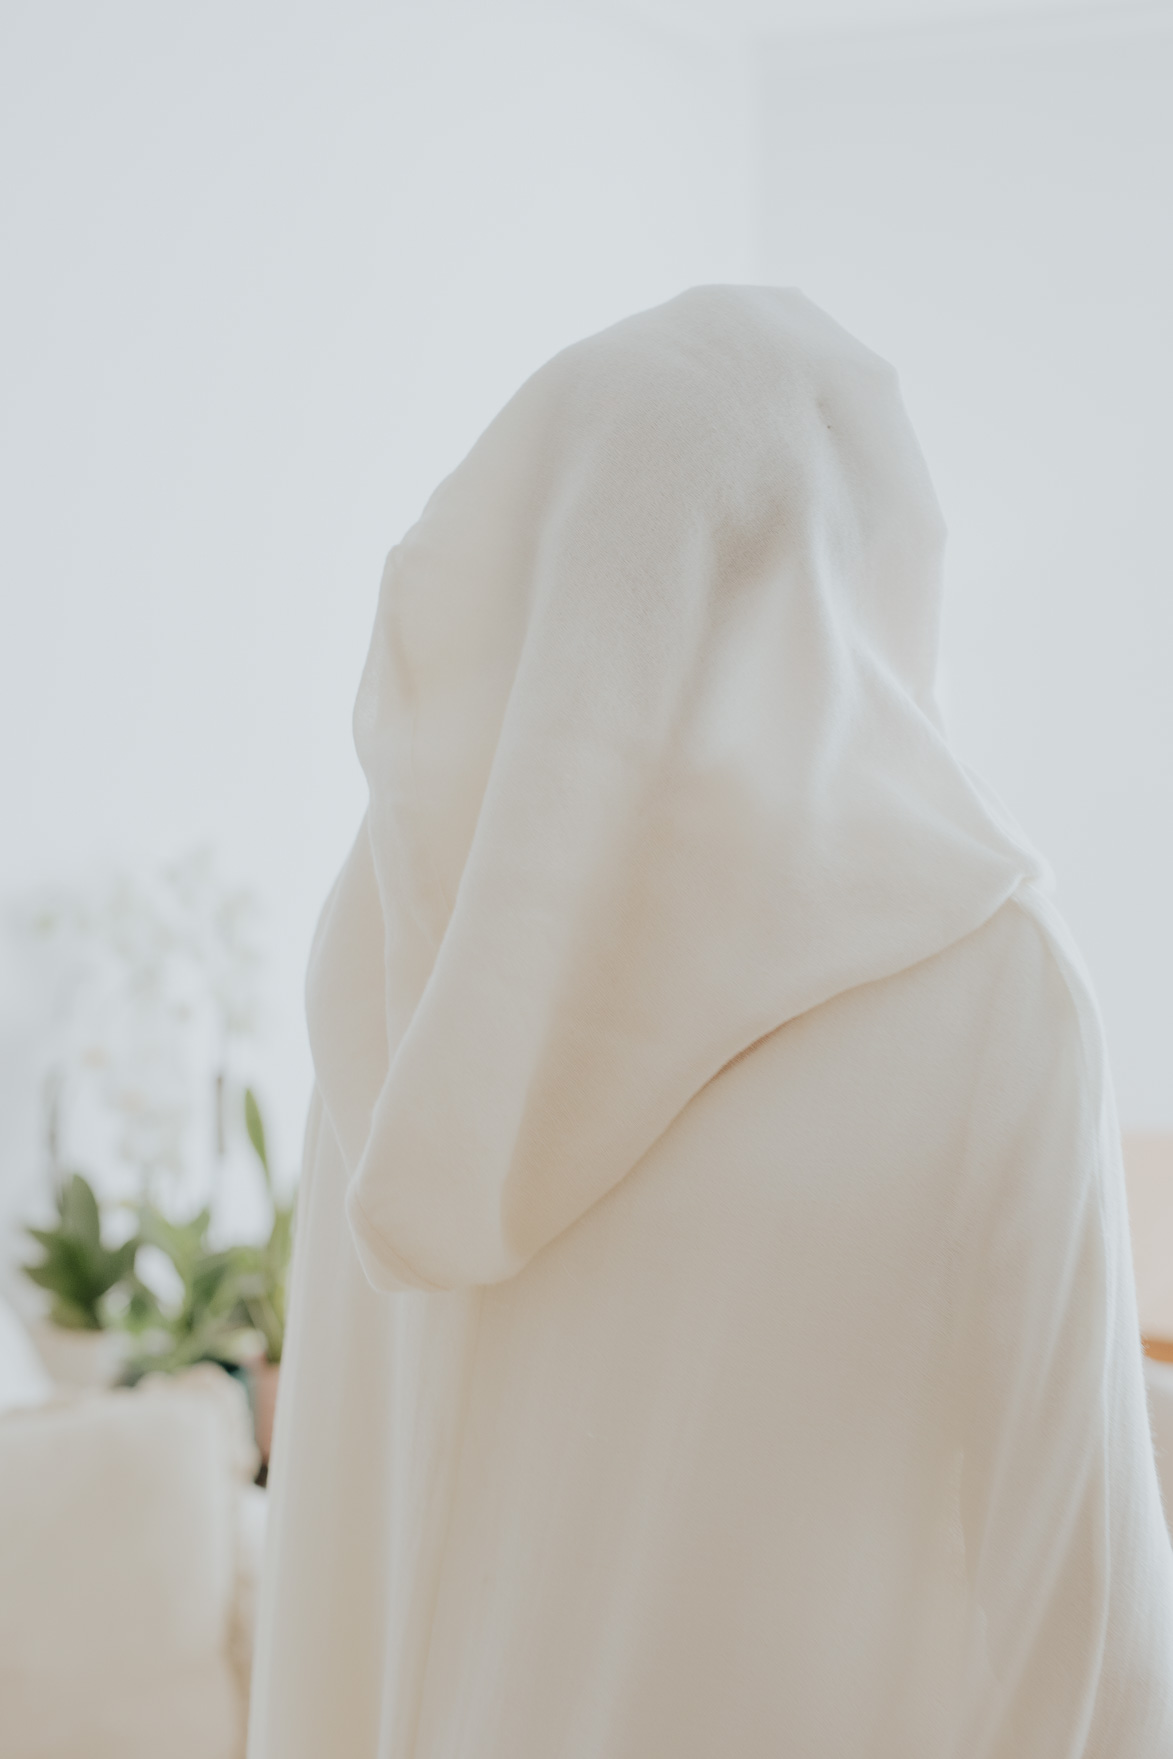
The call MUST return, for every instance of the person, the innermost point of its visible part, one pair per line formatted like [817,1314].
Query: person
[712,1323]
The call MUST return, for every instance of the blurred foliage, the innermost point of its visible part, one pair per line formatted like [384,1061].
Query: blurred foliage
[76,1269]
[263,1270]
[204,1324]
[230,1302]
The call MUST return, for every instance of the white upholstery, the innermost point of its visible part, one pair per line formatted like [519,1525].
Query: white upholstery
[123,1626]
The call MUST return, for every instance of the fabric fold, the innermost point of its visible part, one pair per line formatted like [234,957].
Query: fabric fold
[655,766]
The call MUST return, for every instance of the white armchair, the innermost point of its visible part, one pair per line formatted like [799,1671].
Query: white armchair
[130,1539]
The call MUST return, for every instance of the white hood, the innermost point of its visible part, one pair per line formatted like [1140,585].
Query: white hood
[655,766]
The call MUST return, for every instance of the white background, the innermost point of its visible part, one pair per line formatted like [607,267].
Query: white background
[270,267]
[991,207]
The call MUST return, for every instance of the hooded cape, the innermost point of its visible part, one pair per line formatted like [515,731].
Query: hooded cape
[654,768]
[699,1058]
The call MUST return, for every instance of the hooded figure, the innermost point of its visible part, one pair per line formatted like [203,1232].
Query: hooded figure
[712,1324]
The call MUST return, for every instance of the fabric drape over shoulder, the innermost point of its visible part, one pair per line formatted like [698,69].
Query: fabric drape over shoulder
[712,1328]
[654,766]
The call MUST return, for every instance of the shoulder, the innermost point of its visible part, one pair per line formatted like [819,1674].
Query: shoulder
[1033,968]
[1020,967]
[999,1022]
[979,1043]
[1035,1032]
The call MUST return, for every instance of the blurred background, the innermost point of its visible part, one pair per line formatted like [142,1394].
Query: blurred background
[272,267]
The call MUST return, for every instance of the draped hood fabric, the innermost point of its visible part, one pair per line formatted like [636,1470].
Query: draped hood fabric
[654,767]
[712,1327]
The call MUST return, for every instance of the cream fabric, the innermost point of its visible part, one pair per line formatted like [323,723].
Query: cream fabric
[746,1360]
[119,1558]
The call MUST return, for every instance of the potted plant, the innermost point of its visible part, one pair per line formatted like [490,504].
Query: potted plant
[230,1305]
[263,1271]
[203,1322]
[154,987]
[79,1272]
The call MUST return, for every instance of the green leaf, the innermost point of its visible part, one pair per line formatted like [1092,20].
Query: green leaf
[46,1276]
[255,1126]
[71,1317]
[122,1261]
[75,1267]
[143,1312]
[79,1210]
[182,1242]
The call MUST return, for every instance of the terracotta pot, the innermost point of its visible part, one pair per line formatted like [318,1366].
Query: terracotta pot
[262,1386]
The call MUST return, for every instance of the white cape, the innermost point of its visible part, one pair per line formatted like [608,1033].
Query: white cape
[746,1358]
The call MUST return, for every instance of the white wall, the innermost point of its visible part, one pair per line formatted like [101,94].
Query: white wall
[990,208]
[271,268]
